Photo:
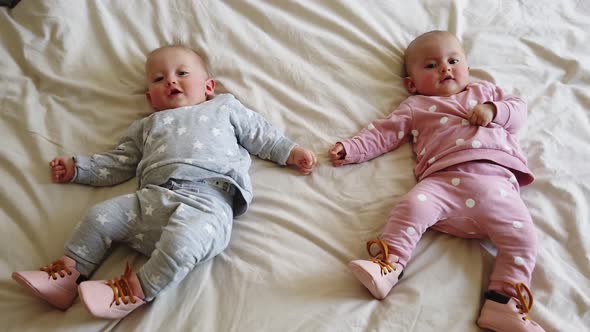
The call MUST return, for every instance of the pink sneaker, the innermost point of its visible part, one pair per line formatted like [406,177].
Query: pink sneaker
[54,283]
[113,299]
[380,273]
[507,314]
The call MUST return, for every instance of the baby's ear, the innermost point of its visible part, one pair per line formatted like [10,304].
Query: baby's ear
[410,86]
[210,87]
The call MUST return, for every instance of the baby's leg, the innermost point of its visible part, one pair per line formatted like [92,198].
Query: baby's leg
[111,220]
[418,210]
[512,231]
[196,231]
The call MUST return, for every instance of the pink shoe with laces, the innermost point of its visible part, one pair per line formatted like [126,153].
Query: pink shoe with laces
[114,298]
[380,273]
[54,283]
[501,313]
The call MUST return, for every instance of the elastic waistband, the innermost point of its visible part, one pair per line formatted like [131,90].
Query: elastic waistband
[175,184]
[223,185]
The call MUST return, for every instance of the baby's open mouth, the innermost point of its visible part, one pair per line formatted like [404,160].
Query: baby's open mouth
[174,92]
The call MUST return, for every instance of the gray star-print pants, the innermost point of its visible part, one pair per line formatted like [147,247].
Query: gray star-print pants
[178,225]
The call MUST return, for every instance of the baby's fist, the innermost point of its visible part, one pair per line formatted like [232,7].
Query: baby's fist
[62,169]
[303,159]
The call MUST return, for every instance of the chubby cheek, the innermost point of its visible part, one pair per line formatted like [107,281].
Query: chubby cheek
[427,81]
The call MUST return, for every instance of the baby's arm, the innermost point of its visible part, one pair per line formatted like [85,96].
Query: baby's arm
[379,137]
[262,139]
[503,109]
[63,169]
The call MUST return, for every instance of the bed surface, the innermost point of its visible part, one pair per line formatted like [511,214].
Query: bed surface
[71,81]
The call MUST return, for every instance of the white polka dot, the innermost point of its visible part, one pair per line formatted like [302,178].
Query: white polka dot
[432,108]
[465,122]
[431,160]
[400,135]
[370,126]
[518,260]
[460,141]
[410,230]
[444,120]
[472,103]
[517,224]
[415,132]
[423,152]
[476,144]
[470,203]
[512,179]
[503,193]
[422,198]
[456,181]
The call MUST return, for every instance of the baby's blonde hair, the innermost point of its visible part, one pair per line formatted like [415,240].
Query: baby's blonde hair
[182,46]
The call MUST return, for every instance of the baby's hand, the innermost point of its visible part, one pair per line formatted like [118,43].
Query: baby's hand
[337,154]
[482,114]
[62,169]
[303,159]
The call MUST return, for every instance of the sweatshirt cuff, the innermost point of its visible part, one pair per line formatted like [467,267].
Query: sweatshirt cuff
[502,113]
[282,150]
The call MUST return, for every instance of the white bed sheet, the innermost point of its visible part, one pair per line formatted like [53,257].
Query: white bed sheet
[71,81]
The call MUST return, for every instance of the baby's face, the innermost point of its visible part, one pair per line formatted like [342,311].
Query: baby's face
[436,66]
[176,78]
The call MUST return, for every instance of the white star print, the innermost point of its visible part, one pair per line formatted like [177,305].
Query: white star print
[103,173]
[102,218]
[209,229]
[122,158]
[156,278]
[181,131]
[82,249]
[149,210]
[149,140]
[136,246]
[139,237]
[371,126]
[168,120]
[197,145]
[108,241]
[203,118]
[216,132]
[162,148]
[130,215]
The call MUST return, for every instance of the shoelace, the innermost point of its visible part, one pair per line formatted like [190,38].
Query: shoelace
[121,289]
[524,306]
[57,268]
[381,258]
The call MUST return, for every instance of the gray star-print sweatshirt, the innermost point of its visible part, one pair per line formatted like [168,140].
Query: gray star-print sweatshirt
[211,140]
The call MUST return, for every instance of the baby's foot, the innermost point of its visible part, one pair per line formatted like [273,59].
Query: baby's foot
[54,283]
[503,313]
[113,299]
[380,273]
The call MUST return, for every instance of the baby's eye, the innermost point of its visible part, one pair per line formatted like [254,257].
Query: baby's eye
[453,61]
[430,66]
[158,79]
[182,73]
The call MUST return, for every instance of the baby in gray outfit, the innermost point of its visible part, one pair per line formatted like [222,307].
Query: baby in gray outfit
[191,157]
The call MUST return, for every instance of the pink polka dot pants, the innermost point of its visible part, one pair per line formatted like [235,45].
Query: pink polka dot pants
[470,200]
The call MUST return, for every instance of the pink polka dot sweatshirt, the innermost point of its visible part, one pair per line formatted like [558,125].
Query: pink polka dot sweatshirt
[442,136]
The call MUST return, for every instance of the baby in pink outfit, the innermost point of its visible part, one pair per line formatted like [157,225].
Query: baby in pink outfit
[470,169]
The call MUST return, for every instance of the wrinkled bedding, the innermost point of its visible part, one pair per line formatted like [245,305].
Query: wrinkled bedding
[71,81]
